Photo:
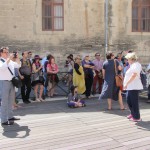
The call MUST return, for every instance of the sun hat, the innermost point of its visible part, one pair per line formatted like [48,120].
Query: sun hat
[37,57]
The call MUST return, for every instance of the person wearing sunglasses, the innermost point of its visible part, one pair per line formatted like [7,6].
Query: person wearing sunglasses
[98,73]
[7,72]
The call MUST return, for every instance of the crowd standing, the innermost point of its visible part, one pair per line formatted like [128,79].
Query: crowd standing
[85,77]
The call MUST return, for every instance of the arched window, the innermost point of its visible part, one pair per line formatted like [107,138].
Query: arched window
[52,15]
[141,15]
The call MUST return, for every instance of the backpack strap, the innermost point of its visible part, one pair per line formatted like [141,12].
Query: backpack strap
[2,60]
[30,64]
[8,67]
[115,67]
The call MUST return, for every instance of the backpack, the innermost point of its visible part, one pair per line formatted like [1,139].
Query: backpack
[25,70]
[143,79]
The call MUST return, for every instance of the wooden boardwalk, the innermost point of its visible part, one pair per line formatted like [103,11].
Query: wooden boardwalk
[52,126]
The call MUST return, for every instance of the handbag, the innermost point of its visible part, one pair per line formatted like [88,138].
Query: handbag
[34,77]
[118,78]
[100,74]
[41,78]
[15,80]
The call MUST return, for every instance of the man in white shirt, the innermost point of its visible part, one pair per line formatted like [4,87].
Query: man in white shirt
[8,90]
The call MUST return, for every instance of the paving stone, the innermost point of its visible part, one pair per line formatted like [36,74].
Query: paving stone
[53,126]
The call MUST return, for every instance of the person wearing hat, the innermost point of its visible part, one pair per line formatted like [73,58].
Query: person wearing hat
[37,78]
[133,84]
[74,99]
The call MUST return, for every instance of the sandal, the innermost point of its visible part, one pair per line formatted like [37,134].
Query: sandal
[123,108]
[37,100]
[109,109]
[41,99]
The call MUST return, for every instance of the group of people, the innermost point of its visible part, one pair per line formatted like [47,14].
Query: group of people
[31,73]
[84,75]
[127,67]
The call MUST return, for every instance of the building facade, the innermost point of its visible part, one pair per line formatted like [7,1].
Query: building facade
[62,27]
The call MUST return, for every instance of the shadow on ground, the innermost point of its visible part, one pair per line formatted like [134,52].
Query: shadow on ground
[14,131]
[93,105]
[143,125]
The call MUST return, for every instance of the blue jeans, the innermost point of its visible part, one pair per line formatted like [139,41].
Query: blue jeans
[45,87]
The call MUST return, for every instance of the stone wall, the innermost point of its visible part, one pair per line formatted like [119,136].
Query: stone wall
[121,36]
[21,28]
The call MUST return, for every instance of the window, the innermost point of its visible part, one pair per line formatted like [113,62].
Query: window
[52,15]
[141,16]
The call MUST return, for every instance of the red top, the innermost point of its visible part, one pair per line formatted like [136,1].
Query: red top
[53,68]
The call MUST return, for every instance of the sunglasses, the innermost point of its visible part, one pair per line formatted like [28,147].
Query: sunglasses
[6,52]
[97,55]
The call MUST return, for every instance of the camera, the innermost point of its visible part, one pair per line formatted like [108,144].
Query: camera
[67,62]
[15,54]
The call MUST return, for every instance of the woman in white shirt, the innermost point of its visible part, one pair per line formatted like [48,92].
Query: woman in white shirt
[133,84]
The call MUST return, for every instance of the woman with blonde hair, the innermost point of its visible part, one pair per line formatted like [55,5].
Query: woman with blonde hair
[133,84]
[78,76]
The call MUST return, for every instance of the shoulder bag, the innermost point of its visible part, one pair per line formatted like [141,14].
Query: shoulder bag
[15,80]
[118,78]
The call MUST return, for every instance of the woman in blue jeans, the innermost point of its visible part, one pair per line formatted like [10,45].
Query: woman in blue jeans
[133,84]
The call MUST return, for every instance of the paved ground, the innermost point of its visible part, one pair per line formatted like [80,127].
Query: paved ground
[52,126]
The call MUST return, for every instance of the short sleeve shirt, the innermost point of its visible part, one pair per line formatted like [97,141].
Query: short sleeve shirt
[136,84]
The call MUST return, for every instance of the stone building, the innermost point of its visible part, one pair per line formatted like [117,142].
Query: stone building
[62,27]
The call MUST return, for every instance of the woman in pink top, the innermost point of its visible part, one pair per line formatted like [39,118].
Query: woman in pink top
[52,70]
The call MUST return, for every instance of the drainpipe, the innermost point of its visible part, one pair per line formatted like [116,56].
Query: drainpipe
[106,27]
